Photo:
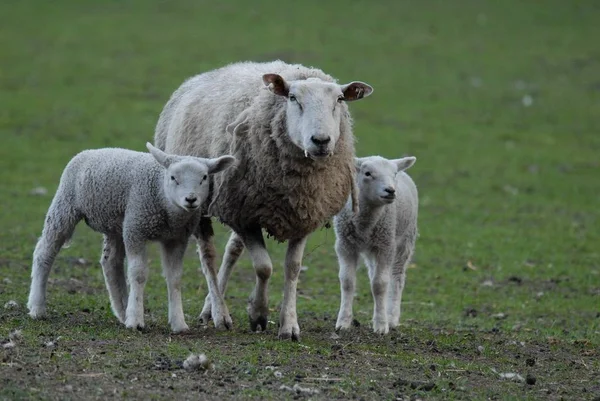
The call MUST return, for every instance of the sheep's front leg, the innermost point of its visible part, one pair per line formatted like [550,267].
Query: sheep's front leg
[288,319]
[348,261]
[258,303]
[208,255]
[137,274]
[233,251]
[113,267]
[172,260]
[379,273]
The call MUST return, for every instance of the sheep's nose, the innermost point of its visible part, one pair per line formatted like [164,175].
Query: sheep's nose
[390,190]
[190,199]
[320,141]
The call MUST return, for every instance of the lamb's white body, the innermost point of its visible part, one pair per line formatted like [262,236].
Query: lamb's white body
[384,233]
[131,198]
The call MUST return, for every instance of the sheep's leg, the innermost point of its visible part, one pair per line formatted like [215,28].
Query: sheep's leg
[379,274]
[137,273]
[172,261]
[403,257]
[233,251]
[208,255]
[113,267]
[288,318]
[348,261]
[58,228]
[258,303]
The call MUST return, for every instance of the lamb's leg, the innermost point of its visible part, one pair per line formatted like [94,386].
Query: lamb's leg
[172,260]
[288,318]
[348,261]
[137,274]
[233,251]
[58,228]
[208,255]
[379,274]
[258,303]
[113,267]
[397,281]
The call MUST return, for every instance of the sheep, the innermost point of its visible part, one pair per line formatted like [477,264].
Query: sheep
[295,170]
[384,233]
[132,198]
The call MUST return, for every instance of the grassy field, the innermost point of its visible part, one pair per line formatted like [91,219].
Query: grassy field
[499,101]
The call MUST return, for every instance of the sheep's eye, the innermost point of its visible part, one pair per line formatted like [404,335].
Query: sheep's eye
[340,99]
[172,178]
[205,177]
[292,98]
[368,173]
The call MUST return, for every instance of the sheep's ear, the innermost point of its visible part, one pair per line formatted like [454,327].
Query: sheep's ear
[239,126]
[356,90]
[358,161]
[219,164]
[405,163]
[276,84]
[161,157]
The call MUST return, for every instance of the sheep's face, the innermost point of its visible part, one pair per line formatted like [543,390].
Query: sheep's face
[314,109]
[377,178]
[186,183]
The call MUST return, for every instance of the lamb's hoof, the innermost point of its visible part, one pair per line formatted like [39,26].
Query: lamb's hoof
[204,318]
[37,312]
[343,324]
[258,324]
[381,328]
[291,333]
[225,323]
[179,328]
[136,325]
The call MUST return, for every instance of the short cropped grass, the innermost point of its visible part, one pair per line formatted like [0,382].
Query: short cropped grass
[499,101]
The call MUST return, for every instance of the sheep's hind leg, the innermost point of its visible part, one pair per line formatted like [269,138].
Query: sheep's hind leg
[348,261]
[288,318]
[233,251]
[172,261]
[208,255]
[397,281]
[58,228]
[113,267]
[258,303]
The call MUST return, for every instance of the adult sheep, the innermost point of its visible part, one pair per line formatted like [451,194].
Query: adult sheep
[295,166]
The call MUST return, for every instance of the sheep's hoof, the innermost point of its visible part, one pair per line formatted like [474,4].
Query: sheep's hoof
[258,324]
[381,328]
[37,313]
[204,318]
[225,323]
[180,328]
[293,335]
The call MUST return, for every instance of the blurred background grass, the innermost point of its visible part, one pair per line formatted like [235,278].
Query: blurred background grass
[499,101]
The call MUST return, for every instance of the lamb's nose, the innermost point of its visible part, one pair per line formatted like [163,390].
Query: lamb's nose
[320,141]
[190,199]
[390,190]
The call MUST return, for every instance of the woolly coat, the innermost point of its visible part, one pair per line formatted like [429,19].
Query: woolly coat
[273,185]
[120,192]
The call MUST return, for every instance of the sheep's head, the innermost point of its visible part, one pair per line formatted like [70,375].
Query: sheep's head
[377,177]
[186,182]
[314,110]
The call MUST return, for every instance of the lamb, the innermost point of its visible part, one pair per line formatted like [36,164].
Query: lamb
[131,198]
[384,233]
[295,171]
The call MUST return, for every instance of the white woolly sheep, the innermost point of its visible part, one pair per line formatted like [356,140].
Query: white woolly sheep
[131,198]
[295,172]
[384,233]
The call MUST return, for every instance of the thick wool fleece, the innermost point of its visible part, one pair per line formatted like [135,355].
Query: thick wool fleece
[273,186]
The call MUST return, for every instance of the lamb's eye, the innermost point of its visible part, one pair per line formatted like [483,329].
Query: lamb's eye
[368,173]
[292,98]
[205,177]
[340,99]
[172,178]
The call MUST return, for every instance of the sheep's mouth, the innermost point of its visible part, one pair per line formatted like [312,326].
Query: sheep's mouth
[318,155]
[388,198]
[190,208]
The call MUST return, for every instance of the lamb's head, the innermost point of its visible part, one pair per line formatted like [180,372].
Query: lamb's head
[314,110]
[186,182]
[377,177]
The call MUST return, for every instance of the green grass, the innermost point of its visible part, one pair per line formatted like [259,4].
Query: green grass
[508,189]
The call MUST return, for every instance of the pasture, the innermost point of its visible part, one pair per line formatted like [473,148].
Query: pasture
[499,102]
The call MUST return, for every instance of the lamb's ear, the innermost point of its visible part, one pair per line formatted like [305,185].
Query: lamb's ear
[358,161]
[161,157]
[219,164]
[276,84]
[356,90]
[405,163]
